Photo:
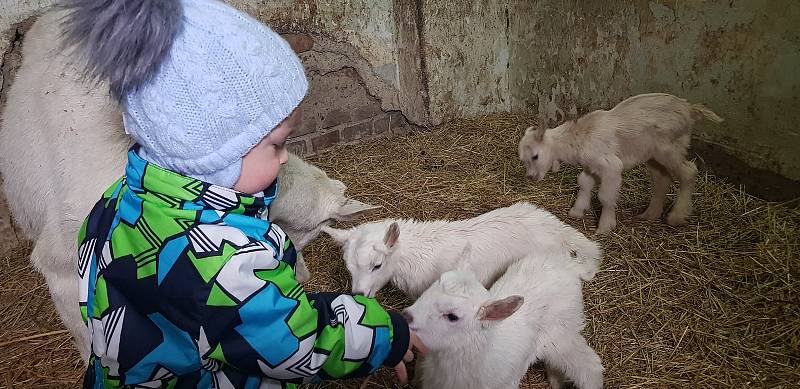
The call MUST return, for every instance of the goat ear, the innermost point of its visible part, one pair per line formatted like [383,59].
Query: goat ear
[463,263]
[392,234]
[353,209]
[340,236]
[466,251]
[500,309]
[539,134]
[340,186]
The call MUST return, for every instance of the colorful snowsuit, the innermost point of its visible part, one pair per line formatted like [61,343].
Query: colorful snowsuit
[183,285]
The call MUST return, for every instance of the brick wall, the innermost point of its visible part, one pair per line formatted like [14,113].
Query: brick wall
[383,124]
[339,108]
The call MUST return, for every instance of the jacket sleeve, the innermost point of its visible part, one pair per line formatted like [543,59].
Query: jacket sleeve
[258,319]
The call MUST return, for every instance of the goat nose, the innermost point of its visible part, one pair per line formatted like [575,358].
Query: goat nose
[359,291]
[408,317]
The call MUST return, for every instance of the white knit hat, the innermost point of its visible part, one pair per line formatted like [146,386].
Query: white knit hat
[223,83]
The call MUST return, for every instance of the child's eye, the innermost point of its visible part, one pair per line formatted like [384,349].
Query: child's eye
[376,267]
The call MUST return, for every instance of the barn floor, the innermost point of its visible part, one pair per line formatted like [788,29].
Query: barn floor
[712,304]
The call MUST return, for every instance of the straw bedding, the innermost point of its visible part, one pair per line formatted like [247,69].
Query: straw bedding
[712,304]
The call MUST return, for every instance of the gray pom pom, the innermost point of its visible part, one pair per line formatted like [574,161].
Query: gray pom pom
[122,41]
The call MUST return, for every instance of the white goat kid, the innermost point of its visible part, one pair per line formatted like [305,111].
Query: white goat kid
[487,339]
[413,254]
[308,200]
[62,144]
[651,128]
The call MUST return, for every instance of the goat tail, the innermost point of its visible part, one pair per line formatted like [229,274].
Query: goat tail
[700,111]
[121,41]
[585,257]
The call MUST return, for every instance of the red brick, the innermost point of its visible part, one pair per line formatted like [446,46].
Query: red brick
[309,116]
[299,146]
[324,141]
[380,125]
[366,111]
[357,131]
[334,118]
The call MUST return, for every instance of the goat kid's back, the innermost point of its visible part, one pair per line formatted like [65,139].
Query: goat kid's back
[638,124]
[522,229]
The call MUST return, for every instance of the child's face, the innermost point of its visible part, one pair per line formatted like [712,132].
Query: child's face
[260,166]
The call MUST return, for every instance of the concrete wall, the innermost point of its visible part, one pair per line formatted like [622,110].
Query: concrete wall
[466,54]
[740,57]
[13,11]
[563,59]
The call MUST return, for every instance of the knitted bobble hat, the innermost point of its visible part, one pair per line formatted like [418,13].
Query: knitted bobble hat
[200,82]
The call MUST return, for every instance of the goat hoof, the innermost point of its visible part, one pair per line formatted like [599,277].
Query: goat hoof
[604,228]
[676,220]
[576,213]
[648,216]
[601,231]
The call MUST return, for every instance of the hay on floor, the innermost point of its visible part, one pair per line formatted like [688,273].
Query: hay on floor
[713,304]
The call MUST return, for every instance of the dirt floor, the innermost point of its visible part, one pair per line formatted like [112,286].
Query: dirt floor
[714,304]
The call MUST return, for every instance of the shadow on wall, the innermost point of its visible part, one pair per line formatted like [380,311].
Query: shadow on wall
[763,183]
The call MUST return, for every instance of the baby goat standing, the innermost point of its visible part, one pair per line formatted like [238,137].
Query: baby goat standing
[652,128]
[486,339]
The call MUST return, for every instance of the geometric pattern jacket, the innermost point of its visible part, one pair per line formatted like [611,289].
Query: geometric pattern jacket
[184,285]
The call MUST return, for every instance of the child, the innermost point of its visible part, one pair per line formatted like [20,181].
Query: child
[181,283]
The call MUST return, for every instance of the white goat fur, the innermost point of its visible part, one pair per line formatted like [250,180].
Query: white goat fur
[651,128]
[62,144]
[534,312]
[414,254]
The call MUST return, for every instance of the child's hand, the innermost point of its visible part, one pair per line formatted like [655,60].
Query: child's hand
[400,369]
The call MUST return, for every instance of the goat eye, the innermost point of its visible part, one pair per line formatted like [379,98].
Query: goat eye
[535,157]
[376,267]
[451,317]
